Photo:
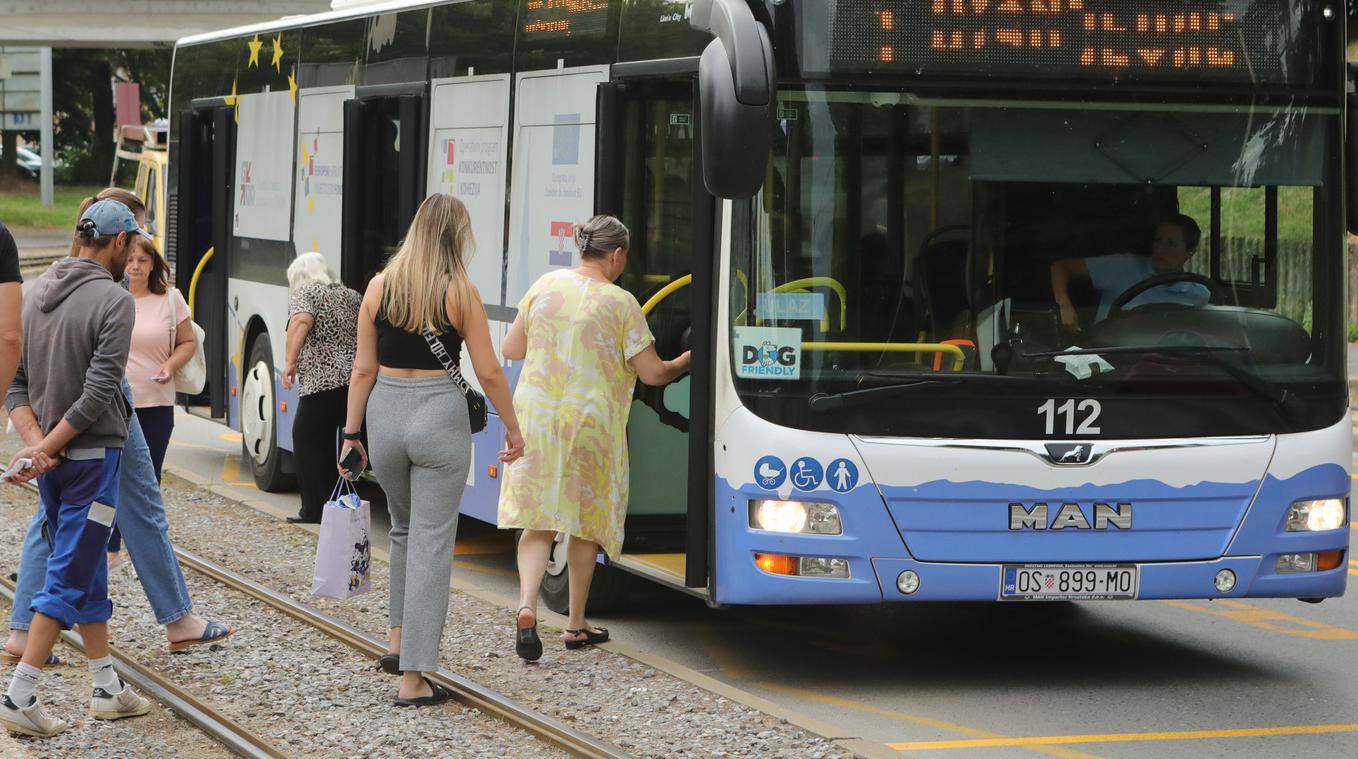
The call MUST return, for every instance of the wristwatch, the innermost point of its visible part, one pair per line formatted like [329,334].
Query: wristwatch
[351,435]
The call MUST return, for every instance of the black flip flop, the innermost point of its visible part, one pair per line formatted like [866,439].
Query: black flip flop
[389,663]
[440,695]
[527,644]
[591,638]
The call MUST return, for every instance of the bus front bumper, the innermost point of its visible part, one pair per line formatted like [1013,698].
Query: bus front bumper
[1255,577]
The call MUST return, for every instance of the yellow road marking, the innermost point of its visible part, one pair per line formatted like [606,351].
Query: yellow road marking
[231,473]
[981,736]
[1252,732]
[230,437]
[1267,619]
[492,545]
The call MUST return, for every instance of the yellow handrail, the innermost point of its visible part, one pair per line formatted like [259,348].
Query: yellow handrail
[198,272]
[829,282]
[666,292]
[952,350]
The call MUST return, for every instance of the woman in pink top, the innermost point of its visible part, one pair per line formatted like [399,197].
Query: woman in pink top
[162,342]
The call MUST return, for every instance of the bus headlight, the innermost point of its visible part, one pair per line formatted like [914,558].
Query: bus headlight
[1317,516]
[800,517]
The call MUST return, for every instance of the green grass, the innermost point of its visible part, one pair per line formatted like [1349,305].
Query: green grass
[1242,211]
[22,208]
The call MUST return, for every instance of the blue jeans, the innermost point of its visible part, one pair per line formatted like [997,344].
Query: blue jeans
[141,519]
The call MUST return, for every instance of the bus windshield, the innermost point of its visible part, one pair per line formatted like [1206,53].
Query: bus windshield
[918,267]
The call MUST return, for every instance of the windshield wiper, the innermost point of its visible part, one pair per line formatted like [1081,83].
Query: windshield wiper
[823,402]
[1272,392]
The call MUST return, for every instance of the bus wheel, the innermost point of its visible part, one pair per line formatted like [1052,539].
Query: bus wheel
[607,591]
[259,420]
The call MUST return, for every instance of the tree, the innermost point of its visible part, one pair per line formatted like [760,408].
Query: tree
[82,102]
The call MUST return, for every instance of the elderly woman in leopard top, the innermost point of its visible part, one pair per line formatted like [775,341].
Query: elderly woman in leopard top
[322,341]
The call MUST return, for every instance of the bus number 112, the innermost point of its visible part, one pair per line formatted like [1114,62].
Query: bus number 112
[1069,410]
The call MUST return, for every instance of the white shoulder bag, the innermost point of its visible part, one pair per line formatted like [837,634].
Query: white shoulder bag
[192,376]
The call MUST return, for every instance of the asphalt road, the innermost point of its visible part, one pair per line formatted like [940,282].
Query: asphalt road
[1114,679]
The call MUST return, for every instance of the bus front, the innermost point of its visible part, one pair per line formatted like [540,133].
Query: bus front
[1039,299]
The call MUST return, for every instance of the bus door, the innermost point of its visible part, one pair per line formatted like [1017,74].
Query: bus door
[202,235]
[650,175]
[384,146]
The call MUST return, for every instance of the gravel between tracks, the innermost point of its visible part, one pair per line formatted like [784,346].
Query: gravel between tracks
[646,712]
[308,694]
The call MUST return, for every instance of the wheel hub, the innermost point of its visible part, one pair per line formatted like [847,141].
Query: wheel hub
[556,560]
[256,411]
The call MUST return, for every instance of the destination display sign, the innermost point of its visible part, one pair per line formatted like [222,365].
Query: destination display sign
[1247,41]
[563,19]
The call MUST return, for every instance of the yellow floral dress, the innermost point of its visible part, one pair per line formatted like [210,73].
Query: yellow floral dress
[572,399]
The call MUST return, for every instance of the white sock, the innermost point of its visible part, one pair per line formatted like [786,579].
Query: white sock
[23,684]
[104,676]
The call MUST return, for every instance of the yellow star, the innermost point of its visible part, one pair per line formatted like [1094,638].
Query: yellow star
[278,53]
[232,99]
[255,44]
[306,154]
[292,87]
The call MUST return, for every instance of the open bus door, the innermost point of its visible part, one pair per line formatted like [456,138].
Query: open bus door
[206,162]
[384,159]
[650,175]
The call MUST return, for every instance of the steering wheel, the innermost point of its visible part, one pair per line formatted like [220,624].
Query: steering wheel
[1128,295]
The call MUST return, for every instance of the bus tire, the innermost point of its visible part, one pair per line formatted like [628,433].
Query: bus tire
[607,591]
[259,420]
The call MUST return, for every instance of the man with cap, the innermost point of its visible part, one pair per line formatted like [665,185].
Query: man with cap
[77,330]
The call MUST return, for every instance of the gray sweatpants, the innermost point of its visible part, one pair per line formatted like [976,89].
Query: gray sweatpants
[420,444]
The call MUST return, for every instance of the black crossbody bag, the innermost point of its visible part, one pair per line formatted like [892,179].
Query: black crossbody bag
[476,403]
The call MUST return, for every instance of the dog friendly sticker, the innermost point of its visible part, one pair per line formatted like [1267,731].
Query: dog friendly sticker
[768,353]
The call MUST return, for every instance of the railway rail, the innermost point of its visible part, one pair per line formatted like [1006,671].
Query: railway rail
[243,742]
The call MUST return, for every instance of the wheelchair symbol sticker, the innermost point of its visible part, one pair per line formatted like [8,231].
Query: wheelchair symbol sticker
[842,475]
[807,474]
[770,473]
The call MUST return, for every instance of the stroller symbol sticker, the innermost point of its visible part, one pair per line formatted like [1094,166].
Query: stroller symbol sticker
[807,474]
[843,475]
[770,473]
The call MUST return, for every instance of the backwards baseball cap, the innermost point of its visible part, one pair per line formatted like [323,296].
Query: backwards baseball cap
[109,217]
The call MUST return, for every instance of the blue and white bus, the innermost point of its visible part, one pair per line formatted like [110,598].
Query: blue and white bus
[850,210]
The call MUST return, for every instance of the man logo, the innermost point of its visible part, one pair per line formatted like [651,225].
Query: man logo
[1069,517]
[1070,454]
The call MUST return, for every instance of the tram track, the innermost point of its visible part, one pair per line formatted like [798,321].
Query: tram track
[244,742]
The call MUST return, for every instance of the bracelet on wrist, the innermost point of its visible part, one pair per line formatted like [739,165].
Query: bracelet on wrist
[351,435]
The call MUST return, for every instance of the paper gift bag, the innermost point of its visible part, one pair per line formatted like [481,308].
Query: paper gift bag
[344,550]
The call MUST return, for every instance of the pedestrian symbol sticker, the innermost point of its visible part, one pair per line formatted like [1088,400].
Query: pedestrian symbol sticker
[770,473]
[843,475]
[807,474]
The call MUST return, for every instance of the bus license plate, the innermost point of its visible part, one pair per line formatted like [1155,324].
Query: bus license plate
[1081,582]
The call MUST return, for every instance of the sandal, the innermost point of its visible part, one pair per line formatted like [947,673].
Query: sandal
[527,644]
[52,659]
[592,638]
[389,663]
[440,695]
[213,632]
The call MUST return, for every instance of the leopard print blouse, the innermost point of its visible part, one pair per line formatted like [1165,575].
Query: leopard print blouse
[327,356]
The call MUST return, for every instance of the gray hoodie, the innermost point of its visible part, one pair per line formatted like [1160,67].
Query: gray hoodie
[77,331]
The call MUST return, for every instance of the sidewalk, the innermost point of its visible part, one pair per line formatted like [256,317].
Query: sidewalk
[42,245]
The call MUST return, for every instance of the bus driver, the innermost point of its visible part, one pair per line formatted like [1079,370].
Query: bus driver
[1176,240]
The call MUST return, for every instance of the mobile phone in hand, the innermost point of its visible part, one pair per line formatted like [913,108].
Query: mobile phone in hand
[352,461]
[17,469]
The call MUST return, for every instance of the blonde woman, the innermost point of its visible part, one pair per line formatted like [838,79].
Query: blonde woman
[418,424]
[584,343]
[322,340]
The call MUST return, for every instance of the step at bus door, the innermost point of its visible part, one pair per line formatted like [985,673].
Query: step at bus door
[384,159]
[649,174]
[202,241]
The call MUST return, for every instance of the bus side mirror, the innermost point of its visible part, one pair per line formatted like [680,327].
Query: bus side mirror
[737,96]
[1351,149]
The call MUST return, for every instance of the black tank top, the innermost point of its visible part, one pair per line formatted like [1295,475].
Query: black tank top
[399,349]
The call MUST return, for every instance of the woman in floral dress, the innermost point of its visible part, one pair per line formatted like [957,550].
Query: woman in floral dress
[584,343]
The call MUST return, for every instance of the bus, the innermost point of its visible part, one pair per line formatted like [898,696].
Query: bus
[851,211]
